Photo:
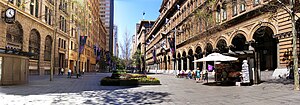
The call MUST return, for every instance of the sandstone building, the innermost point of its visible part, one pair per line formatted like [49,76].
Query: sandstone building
[39,23]
[251,30]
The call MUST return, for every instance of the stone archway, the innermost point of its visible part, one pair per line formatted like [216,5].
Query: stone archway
[14,36]
[191,59]
[199,55]
[184,60]
[208,49]
[239,43]
[179,61]
[266,48]
[222,46]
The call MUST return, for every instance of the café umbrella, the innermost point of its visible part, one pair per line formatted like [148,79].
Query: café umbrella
[216,57]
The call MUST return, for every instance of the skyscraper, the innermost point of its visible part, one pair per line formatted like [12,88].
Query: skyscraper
[105,17]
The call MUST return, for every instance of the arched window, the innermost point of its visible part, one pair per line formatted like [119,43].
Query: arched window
[234,7]
[48,47]
[34,43]
[14,35]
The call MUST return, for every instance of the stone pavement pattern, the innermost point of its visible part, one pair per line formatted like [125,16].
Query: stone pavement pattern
[173,91]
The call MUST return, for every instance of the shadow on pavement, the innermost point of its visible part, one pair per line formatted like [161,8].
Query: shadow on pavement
[117,97]
[279,81]
[61,84]
[220,84]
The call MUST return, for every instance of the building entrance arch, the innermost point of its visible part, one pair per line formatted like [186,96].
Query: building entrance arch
[191,59]
[266,48]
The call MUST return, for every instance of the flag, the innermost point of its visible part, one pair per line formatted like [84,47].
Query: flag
[172,45]
[178,7]
[82,43]
[167,20]
[83,40]
[99,51]
[210,67]
[154,53]
[95,50]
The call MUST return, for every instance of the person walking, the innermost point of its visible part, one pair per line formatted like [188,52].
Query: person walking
[62,71]
[69,73]
[198,73]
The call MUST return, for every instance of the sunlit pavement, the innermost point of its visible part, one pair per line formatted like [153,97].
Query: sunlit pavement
[179,91]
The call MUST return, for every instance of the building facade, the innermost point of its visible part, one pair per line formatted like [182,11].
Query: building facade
[251,30]
[38,24]
[105,17]
[140,43]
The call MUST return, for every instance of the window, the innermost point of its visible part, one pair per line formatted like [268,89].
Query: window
[50,17]
[243,5]
[31,7]
[71,45]
[59,42]
[218,14]
[64,44]
[224,11]
[46,14]
[234,7]
[11,1]
[256,2]
[18,3]
[48,47]
[36,8]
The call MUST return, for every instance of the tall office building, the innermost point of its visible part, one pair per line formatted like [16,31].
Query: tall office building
[105,17]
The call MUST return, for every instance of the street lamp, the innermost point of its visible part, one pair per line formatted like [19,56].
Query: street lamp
[174,42]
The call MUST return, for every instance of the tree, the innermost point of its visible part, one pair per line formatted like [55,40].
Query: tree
[137,59]
[126,48]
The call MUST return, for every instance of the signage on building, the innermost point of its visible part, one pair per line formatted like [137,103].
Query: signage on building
[9,16]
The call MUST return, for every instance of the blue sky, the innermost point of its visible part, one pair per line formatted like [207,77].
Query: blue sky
[129,12]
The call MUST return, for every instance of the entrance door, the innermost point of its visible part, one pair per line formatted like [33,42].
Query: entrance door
[266,48]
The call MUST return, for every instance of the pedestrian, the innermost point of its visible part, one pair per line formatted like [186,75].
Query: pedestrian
[82,71]
[198,73]
[69,73]
[189,74]
[62,71]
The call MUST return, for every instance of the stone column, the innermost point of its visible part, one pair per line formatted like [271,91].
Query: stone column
[195,63]
[188,63]
[181,63]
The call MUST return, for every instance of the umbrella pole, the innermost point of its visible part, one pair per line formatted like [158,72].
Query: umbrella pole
[215,71]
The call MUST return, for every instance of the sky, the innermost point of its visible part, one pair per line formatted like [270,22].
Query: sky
[129,12]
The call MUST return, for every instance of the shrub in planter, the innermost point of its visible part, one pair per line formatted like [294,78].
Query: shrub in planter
[149,81]
[107,81]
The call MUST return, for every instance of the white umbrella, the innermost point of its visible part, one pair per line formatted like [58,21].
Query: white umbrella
[216,57]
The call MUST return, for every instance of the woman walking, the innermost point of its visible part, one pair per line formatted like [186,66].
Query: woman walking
[198,73]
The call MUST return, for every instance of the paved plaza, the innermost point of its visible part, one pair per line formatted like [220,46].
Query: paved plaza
[173,91]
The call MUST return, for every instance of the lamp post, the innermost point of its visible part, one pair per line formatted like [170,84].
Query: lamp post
[174,56]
